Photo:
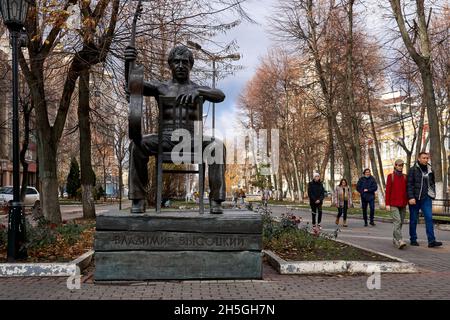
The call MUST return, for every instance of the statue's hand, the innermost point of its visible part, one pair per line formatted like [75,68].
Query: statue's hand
[188,98]
[130,54]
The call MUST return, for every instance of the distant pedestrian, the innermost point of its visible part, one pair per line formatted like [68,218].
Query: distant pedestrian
[421,190]
[242,196]
[235,197]
[343,200]
[396,201]
[316,194]
[188,197]
[265,197]
[366,187]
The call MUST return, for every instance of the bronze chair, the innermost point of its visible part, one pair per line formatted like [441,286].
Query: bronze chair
[179,118]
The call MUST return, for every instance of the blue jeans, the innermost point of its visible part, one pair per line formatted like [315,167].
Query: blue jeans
[371,204]
[424,205]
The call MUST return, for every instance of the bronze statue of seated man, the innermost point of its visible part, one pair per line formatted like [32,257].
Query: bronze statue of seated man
[186,92]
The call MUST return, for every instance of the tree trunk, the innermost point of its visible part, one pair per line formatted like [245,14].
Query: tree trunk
[104,176]
[296,173]
[280,187]
[356,147]
[48,176]
[332,157]
[433,127]
[445,169]
[346,159]
[120,186]
[87,173]
[380,190]
[420,131]
[375,139]
[274,179]
[23,151]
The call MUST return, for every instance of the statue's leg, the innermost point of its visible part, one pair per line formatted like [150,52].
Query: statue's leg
[138,173]
[215,153]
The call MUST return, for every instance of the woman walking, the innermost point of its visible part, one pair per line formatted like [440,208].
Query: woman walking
[343,199]
[316,194]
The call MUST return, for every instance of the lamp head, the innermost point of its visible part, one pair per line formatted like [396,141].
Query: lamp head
[14,13]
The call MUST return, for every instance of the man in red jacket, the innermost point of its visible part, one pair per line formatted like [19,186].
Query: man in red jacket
[396,200]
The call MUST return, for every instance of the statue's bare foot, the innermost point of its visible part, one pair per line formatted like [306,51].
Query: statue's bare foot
[138,206]
[216,207]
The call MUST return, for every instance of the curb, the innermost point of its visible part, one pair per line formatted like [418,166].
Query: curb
[339,266]
[63,269]
[444,227]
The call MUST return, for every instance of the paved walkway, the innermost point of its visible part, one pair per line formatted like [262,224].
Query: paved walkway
[433,282]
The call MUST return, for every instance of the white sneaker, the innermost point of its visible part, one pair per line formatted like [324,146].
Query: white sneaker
[401,244]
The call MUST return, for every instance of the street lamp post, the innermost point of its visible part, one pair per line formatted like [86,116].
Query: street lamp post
[214,58]
[14,13]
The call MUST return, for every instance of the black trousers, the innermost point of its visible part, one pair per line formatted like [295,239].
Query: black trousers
[316,208]
[139,157]
[343,210]
[371,204]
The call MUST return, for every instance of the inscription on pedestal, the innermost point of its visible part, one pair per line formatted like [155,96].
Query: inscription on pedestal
[112,241]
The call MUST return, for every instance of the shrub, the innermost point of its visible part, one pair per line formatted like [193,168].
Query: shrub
[43,234]
[71,232]
[73,179]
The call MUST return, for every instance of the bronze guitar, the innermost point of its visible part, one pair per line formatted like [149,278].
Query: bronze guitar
[135,87]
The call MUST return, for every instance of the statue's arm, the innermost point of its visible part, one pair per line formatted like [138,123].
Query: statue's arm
[151,88]
[212,95]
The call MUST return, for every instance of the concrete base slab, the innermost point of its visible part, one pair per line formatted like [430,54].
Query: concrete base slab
[63,269]
[176,245]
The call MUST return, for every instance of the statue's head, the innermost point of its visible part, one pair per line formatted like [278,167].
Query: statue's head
[180,61]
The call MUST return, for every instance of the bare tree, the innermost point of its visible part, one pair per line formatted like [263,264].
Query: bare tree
[418,44]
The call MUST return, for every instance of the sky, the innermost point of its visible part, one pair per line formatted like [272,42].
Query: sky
[253,41]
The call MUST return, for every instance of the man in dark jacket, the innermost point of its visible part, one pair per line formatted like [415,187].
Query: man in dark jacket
[316,194]
[366,187]
[421,191]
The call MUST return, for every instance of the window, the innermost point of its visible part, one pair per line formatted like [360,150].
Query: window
[6,190]
[31,191]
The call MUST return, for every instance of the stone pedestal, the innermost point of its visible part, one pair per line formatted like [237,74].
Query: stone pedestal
[178,245]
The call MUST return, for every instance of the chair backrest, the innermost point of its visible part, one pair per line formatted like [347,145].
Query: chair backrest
[173,116]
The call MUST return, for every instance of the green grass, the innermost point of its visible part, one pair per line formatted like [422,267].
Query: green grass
[441,218]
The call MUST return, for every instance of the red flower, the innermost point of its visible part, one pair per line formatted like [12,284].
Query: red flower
[2,227]
[53,225]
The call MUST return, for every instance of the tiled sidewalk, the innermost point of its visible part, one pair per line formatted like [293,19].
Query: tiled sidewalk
[433,282]
[274,286]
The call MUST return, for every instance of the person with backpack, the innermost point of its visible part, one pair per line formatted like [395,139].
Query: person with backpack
[366,187]
[342,200]
[316,194]
[396,201]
